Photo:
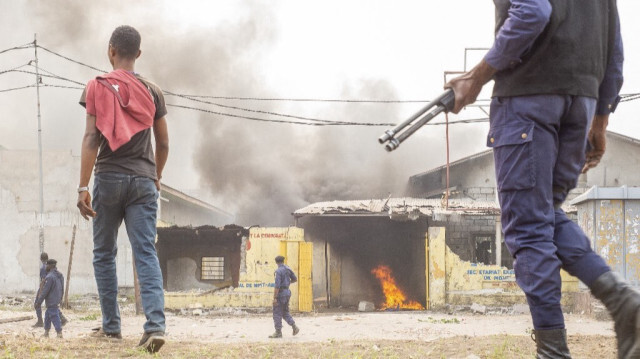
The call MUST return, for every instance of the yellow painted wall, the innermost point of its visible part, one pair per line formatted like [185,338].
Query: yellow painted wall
[256,283]
[437,286]
[454,281]
[305,286]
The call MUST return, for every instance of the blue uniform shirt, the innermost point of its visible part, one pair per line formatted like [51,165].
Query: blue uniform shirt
[284,276]
[52,290]
[43,271]
[527,19]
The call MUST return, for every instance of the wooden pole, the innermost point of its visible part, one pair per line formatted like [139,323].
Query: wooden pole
[40,175]
[17,319]
[65,304]
[136,286]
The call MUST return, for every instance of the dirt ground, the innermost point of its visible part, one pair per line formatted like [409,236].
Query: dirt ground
[238,334]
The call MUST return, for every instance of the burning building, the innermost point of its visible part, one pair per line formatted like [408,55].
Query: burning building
[381,251]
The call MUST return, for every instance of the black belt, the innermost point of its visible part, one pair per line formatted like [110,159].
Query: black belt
[284,287]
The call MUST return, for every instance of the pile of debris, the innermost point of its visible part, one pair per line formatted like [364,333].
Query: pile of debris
[12,301]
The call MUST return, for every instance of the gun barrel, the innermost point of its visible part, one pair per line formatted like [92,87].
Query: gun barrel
[396,141]
[444,102]
[386,136]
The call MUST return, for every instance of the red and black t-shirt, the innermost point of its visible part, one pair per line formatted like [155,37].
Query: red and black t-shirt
[135,157]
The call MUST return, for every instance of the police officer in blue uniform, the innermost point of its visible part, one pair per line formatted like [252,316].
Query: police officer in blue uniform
[51,294]
[284,277]
[557,67]
[43,273]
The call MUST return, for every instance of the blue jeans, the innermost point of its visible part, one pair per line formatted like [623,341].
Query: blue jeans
[52,315]
[134,199]
[539,147]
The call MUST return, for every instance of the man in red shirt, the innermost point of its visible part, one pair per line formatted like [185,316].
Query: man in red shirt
[123,110]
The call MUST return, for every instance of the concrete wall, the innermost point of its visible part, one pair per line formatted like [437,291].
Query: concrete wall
[256,276]
[19,221]
[180,252]
[618,165]
[614,226]
[176,210]
[453,281]
[475,177]
[461,232]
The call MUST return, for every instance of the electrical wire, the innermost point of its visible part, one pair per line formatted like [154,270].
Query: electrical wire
[305,99]
[49,76]
[260,111]
[201,99]
[60,77]
[25,46]
[17,88]
[14,69]
[324,123]
[70,59]
[62,87]
[243,117]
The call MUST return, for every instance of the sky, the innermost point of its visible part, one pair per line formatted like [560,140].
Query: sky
[328,50]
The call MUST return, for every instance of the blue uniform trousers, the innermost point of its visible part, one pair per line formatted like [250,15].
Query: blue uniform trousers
[539,149]
[281,310]
[38,308]
[52,315]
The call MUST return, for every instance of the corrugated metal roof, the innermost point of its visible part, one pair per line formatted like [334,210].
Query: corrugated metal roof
[413,207]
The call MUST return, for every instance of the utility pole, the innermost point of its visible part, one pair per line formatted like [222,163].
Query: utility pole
[38,80]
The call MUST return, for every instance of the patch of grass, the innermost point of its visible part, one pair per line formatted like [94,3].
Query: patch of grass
[440,321]
[494,347]
[89,317]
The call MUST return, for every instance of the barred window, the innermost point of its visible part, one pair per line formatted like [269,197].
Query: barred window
[212,268]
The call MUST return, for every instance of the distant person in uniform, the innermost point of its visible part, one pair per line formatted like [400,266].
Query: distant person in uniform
[51,294]
[43,273]
[284,277]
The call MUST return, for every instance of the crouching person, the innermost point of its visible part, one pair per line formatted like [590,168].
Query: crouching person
[51,294]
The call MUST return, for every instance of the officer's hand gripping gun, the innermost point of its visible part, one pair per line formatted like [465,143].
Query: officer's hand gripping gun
[444,102]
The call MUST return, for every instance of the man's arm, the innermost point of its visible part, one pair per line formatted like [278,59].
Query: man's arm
[608,99]
[526,21]
[276,290]
[88,155]
[161,134]
[43,293]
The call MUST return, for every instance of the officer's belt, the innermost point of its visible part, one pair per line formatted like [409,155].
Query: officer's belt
[284,287]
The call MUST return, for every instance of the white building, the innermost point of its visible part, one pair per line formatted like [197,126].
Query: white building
[20,221]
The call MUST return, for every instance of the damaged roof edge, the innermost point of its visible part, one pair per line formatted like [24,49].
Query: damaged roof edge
[398,207]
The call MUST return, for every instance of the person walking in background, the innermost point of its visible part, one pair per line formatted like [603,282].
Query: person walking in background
[43,273]
[123,109]
[284,277]
[51,294]
[557,67]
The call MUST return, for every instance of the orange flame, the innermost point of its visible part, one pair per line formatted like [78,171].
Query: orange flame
[394,296]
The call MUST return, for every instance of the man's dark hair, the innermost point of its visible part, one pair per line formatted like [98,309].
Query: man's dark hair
[44,256]
[52,262]
[279,259]
[126,40]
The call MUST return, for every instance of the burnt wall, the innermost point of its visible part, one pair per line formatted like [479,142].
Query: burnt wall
[180,252]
